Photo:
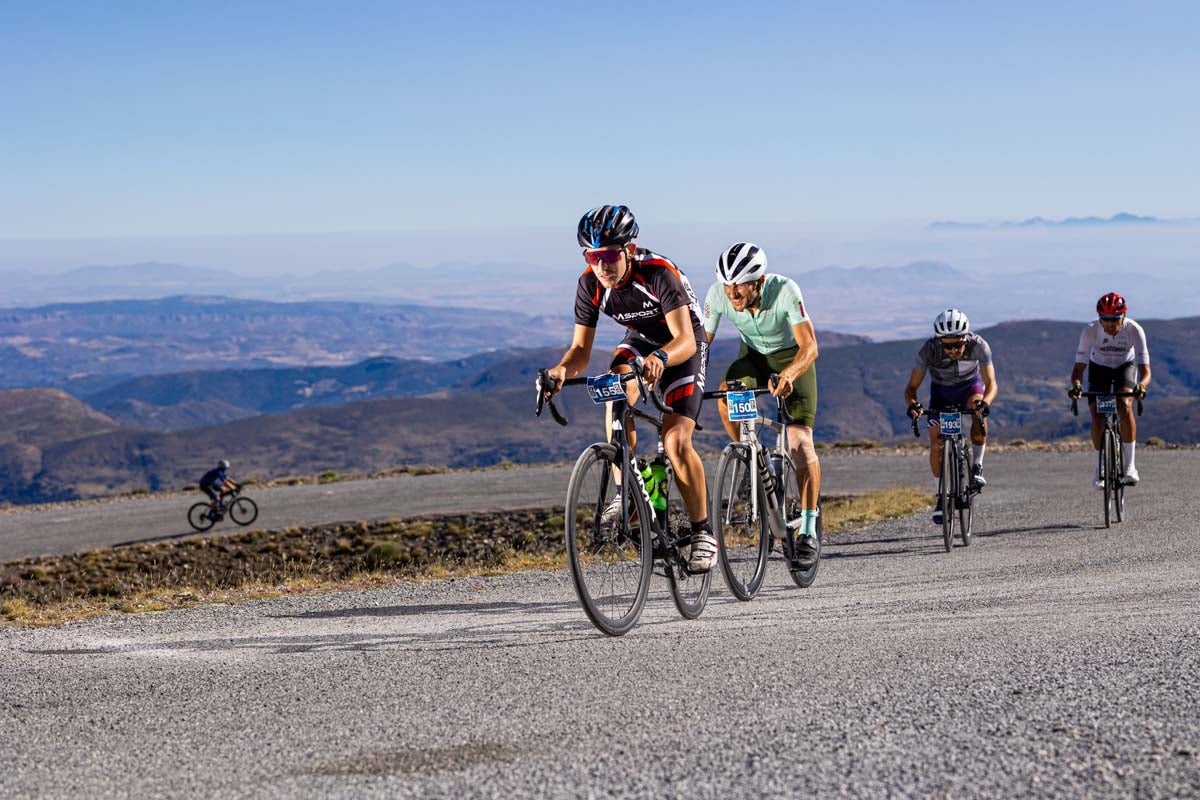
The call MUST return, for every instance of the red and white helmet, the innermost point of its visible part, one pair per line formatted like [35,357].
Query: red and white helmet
[951,322]
[1111,305]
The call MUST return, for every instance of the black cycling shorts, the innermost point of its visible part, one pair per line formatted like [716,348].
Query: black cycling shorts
[1111,379]
[681,385]
[212,491]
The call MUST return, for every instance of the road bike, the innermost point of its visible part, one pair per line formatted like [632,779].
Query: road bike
[956,494]
[1112,465]
[612,555]
[755,501]
[241,510]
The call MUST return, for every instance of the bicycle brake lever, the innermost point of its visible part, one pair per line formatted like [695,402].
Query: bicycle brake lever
[1075,407]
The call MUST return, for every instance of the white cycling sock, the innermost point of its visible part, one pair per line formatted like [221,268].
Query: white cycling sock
[809,528]
[1127,451]
[977,452]
[937,486]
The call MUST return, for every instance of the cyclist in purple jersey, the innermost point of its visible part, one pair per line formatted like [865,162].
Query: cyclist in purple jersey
[960,374]
[652,298]
[1113,351]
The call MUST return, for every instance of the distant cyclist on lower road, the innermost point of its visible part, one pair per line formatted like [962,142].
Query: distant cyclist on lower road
[652,298]
[961,374]
[217,481]
[1112,350]
[777,338]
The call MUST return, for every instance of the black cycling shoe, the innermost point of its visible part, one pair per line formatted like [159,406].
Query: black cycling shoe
[937,512]
[806,551]
[977,479]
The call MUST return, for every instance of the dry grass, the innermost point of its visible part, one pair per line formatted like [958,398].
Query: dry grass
[857,511]
[267,564]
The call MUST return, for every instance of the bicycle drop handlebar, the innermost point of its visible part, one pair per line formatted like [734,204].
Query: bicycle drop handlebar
[773,380]
[547,386]
[1075,400]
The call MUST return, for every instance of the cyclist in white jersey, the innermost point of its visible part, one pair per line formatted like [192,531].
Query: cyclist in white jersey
[777,337]
[1112,350]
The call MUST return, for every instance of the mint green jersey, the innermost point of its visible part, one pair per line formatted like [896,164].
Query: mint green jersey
[770,329]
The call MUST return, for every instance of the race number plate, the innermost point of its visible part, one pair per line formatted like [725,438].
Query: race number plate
[605,388]
[741,406]
[1106,404]
[951,423]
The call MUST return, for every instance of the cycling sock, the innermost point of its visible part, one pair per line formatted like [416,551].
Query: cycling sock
[977,452]
[701,526]
[937,487]
[1127,451]
[809,528]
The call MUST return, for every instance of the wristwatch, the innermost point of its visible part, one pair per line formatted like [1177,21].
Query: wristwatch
[662,354]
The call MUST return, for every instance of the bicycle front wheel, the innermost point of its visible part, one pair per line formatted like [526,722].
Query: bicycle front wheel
[243,511]
[199,517]
[1110,477]
[739,521]
[793,519]
[966,497]
[610,554]
[949,492]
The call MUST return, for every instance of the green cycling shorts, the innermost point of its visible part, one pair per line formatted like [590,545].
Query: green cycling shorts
[754,369]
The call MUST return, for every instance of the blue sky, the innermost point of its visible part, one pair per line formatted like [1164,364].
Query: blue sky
[153,119]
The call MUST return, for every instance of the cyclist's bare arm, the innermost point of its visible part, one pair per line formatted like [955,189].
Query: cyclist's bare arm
[988,372]
[575,360]
[914,383]
[681,347]
[806,340]
[1077,372]
[1144,375]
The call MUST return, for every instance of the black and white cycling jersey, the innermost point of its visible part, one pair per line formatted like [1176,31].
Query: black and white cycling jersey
[1128,345]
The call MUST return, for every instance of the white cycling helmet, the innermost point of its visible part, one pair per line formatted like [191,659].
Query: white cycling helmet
[223,464]
[951,322]
[741,263]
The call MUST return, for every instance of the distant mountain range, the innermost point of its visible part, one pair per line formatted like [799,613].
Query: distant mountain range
[1122,218]
[86,347]
[53,446]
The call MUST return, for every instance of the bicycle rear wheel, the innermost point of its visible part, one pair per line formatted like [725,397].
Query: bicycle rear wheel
[199,518]
[611,560]
[689,590]
[741,533]
[801,576]
[949,492]
[243,511]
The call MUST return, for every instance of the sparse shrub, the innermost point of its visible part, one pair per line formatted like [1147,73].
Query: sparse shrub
[386,554]
[328,476]
[1016,443]
[1155,441]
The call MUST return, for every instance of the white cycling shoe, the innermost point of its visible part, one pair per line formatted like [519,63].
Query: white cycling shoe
[704,552]
[1131,477]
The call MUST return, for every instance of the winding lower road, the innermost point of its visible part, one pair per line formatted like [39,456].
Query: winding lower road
[1051,658]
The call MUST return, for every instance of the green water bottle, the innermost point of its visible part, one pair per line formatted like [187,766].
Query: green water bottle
[656,480]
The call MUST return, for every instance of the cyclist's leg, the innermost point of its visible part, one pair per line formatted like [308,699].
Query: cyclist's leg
[1100,379]
[978,437]
[214,497]
[682,388]
[1126,379]
[802,407]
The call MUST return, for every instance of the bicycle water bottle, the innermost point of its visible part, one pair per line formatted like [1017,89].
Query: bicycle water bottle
[654,475]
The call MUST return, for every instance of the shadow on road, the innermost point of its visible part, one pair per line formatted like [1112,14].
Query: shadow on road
[1033,529]
[166,537]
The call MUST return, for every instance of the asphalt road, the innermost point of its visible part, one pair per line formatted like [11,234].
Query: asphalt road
[68,528]
[1051,658]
